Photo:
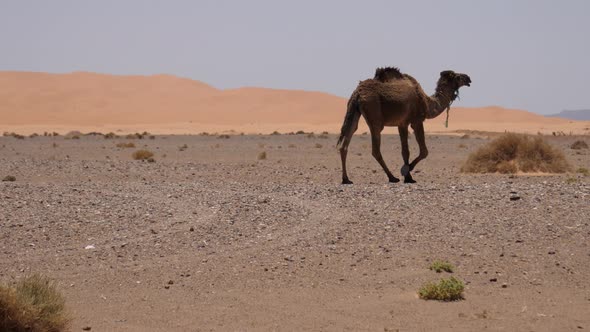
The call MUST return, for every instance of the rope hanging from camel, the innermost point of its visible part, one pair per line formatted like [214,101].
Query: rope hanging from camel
[455,96]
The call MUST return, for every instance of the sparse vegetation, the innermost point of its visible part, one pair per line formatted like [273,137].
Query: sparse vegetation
[142,155]
[440,266]
[9,178]
[110,135]
[584,171]
[579,145]
[33,305]
[136,135]
[511,153]
[299,132]
[262,155]
[224,136]
[125,145]
[462,146]
[15,135]
[182,147]
[291,146]
[450,289]
[275,133]
[318,146]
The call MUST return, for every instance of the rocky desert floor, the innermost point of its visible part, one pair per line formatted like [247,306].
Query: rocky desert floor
[209,238]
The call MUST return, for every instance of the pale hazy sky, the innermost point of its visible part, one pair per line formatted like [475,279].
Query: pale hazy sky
[531,55]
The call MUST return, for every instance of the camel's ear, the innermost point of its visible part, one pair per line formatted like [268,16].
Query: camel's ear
[447,73]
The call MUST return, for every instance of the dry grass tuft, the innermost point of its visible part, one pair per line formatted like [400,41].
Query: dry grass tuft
[439,266]
[584,171]
[511,153]
[9,178]
[446,290]
[125,145]
[579,145]
[34,305]
[142,155]
[262,155]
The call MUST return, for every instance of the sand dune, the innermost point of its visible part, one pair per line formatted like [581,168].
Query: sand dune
[167,104]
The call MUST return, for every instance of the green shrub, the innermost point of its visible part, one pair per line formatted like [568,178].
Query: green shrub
[439,266]
[450,289]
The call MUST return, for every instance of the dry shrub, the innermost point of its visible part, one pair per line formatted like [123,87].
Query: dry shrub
[125,145]
[275,133]
[579,145]
[142,155]
[110,135]
[318,146]
[74,134]
[34,305]
[15,135]
[262,155]
[510,153]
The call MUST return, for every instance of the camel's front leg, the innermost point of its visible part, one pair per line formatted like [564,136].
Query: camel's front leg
[420,137]
[403,136]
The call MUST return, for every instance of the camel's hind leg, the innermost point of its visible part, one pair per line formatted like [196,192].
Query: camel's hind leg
[403,136]
[376,145]
[344,146]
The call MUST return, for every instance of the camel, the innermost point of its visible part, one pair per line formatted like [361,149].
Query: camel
[395,99]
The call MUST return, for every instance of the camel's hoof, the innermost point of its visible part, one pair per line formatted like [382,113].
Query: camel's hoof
[409,179]
[393,180]
[346,181]
[405,170]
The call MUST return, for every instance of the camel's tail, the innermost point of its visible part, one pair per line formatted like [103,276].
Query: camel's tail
[352,109]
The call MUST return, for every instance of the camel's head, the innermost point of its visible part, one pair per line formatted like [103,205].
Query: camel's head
[456,80]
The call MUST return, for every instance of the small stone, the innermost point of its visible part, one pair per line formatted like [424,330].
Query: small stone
[192,229]
[493,279]
[170,282]
[504,285]
[167,287]
[552,252]
[87,328]
[514,196]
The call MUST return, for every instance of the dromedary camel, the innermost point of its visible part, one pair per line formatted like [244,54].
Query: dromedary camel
[395,99]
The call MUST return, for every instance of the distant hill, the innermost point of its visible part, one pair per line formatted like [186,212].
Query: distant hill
[583,115]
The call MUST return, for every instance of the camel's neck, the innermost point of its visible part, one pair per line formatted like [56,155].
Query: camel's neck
[440,100]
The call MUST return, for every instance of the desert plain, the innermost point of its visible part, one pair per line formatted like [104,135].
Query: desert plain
[232,232]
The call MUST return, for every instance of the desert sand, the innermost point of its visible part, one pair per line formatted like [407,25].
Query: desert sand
[209,238]
[164,104]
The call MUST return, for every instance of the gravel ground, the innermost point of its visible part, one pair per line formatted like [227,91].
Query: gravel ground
[208,237]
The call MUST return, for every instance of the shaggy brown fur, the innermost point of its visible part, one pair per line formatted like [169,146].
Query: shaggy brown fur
[395,99]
